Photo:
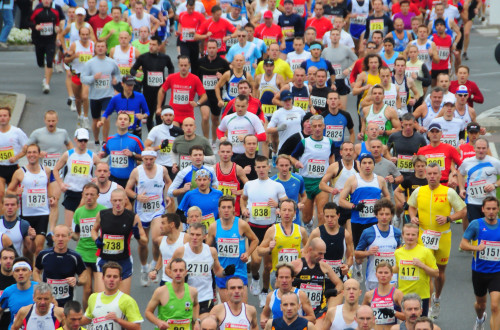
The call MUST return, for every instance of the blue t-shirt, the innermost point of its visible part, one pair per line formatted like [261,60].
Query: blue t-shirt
[368,236]
[118,143]
[293,187]
[133,105]
[479,230]
[122,6]
[260,45]
[250,51]
[208,203]
[342,118]
[14,299]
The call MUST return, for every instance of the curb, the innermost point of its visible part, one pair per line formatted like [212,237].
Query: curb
[18,48]
[18,108]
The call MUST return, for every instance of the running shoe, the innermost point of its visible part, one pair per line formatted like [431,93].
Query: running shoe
[435,307]
[45,87]
[309,227]
[4,45]
[465,57]
[262,299]
[357,272]
[144,279]
[255,288]
[479,325]
[85,122]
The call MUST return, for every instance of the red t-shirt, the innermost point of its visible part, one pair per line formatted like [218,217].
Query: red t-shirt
[98,23]
[219,30]
[443,154]
[268,34]
[472,90]
[322,25]
[443,46]
[467,151]
[183,91]
[254,106]
[189,24]
[413,8]
[298,5]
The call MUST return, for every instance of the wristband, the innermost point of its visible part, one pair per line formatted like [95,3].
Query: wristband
[448,219]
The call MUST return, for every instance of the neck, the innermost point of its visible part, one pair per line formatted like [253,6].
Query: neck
[290,321]
[174,235]
[491,221]
[333,111]
[335,44]
[211,58]
[103,16]
[63,250]
[435,143]
[384,287]
[103,185]
[101,56]
[10,218]
[24,286]
[122,131]
[448,117]
[184,74]
[115,212]
[434,185]
[5,273]
[91,206]
[205,191]
[400,75]
[250,155]
[383,226]
[315,59]
[351,307]
[264,178]
[284,175]
[373,72]
[411,245]
[196,249]
[178,287]
[109,292]
[227,221]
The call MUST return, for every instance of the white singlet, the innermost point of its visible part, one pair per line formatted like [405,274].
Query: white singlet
[199,268]
[105,197]
[34,199]
[339,323]
[232,321]
[167,251]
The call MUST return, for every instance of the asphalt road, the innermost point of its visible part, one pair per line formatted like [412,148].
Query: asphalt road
[19,73]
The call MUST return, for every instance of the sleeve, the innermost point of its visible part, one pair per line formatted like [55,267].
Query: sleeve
[281,191]
[456,201]
[109,108]
[367,29]
[257,124]
[38,261]
[330,68]
[202,29]
[105,30]
[176,184]
[350,123]
[287,70]
[85,76]
[137,65]
[397,236]
[139,146]
[455,155]
[32,138]
[364,240]
[303,65]
[25,225]
[426,79]
[412,201]
[405,184]
[229,55]
[144,105]
[184,204]
[4,299]
[80,266]
[299,150]
[472,231]
[274,120]
[131,310]
[478,96]
[302,187]
[390,24]
[169,65]
[208,150]
[394,170]
[350,44]
[260,68]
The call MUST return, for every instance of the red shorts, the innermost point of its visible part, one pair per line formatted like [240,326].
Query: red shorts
[179,116]
[75,79]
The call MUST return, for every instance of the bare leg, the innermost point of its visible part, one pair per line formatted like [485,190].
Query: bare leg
[155,233]
[54,209]
[143,250]
[2,194]
[98,282]
[495,312]
[439,281]
[307,211]
[205,124]
[48,74]
[321,199]
[105,130]
[87,288]
[215,124]
[268,265]
[68,218]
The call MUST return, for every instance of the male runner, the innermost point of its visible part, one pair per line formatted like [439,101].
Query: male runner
[217,28]
[7,256]
[428,110]
[248,159]
[453,128]
[343,315]
[22,235]
[73,314]
[112,30]
[384,167]
[228,82]
[188,22]
[106,186]
[290,305]
[412,309]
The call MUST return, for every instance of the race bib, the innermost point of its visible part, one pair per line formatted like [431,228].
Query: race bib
[131,115]
[184,161]
[135,34]
[80,167]
[408,271]
[430,239]
[404,163]
[247,67]
[188,34]
[491,252]
[314,293]
[50,160]
[368,210]
[381,318]
[336,266]
[443,53]
[318,102]
[198,268]
[101,323]
[179,324]
[376,24]
[261,211]
[113,244]
[168,148]
[124,69]
[181,97]
[450,139]
[295,63]
[235,326]
[436,158]
[423,55]
[226,187]
[155,79]
[359,19]
[234,136]
[153,204]
[209,82]
[300,10]
[269,109]
[384,256]
[288,29]
[98,32]
[270,39]
[410,70]
[86,226]
[390,100]
[476,189]
[47,29]
[84,57]
[103,83]
[228,247]
[207,220]
[338,71]
[233,89]
[301,102]
[230,42]
[288,255]
[6,152]
[60,288]
[335,132]
[36,198]
[119,159]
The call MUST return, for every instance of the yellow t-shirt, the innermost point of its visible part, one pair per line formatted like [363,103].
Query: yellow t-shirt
[281,67]
[287,248]
[412,279]
[127,305]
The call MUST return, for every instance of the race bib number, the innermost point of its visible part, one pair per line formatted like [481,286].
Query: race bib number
[184,162]
[450,139]
[288,255]
[198,269]
[491,252]
[36,198]
[235,326]
[47,29]
[410,70]
[207,220]
[368,210]
[261,211]
[338,71]
[131,115]
[436,158]
[168,148]
[80,168]
[335,132]
[269,109]
[209,82]
[84,57]
[179,324]
[404,163]
[228,247]
[227,187]
[60,288]
[384,256]
[6,153]
[318,102]
[376,24]
[423,55]
[247,67]
[50,160]
[234,136]
[101,323]
[124,69]
[153,204]
[403,96]
[408,271]
[98,32]
[181,97]
[390,100]
[381,318]
[219,43]
[301,102]
[230,42]
[155,79]
[359,19]
[119,159]
[103,83]
[314,293]
[430,239]
[86,226]
[270,39]
[135,34]
[300,10]
[295,63]
[336,266]
[188,34]
[233,89]
[443,53]
[287,29]
[113,244]
[316,167]
[476,189]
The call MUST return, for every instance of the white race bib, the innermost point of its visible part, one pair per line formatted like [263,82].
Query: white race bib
[316,167]
[50,160]
[209,82]
[119,159]
[288,255]
[431,238]
[86,226]
[181,97]
[476,189]
[60,288]
[335,132]
[368,210]
[492,251]
[314,293]
[184,161]
[155,78]
[228,247]
[36,198]
[152,205]
[47,29]
[198,269]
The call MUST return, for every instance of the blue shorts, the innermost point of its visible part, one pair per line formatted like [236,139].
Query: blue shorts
[147,224]
[221,281]
[125,263]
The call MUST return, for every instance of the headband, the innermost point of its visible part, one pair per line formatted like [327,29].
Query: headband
[21,264]
[167,110]
[149,153]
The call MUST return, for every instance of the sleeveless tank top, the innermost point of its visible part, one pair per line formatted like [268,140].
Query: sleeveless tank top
[431,114]
[116,231]
[101,310]
[386,247]
[85,54]
[33,321]
[74,32]
[14,234]
[153,188]
[379,302]
[402,93]
[231,88]
[227,182]
[124,60]
[275,304]
[367,192]
[105,198]
[239,321]
[344,174]
[167,251]
[400,44]
[335,248]
[79,169]
[230,245]
[312,282]
[177,311]
[466,116]
[423,53]
[267,90]
[339,323]
[137,23]
[300,96]
[390,96]
[34,199]
[200,271]
[364,150]
[316,157]
[287,246]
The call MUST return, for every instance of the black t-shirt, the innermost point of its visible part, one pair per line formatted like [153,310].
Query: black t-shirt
[211,68]
[411,183]
[339,10]
[5,281]
[388,25]
[243,161]
[406,145]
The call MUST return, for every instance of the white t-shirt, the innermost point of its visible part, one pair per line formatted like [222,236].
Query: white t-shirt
[11,143]
[258,193]
[295,60]
[478,177]
[236,125]
[448,97]
[292,118]
[198,6]
[451,129]
[345,39]
[157,135]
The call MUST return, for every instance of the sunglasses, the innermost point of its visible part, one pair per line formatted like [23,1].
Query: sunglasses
[83,140]
[462,95]
[370,47]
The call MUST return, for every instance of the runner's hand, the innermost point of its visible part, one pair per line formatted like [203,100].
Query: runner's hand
[99,243]
[359,207]
[229,270]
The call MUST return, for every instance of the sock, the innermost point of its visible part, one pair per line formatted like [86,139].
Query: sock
[153,264]
[86,118]
[256,276]
[144,268]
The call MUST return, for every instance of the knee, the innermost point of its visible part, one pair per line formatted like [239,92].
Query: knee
[494,307]
[268,266]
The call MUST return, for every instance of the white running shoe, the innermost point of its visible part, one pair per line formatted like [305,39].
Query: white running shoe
[479,325]
[262,299]
[255,288]
[45,87]
[144,279]
[435,307]
[85,122]
[357,272]
[73,105]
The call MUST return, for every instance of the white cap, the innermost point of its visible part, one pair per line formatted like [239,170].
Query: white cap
[82,134]
[80,11]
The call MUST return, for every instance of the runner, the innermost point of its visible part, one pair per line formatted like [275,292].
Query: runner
[228,83]
[417,70]
[319,22]
[429,110]
[377,21]
[406,86]
[172,310]
[188,22]
[269,31]
[367,78]
[342,316]
[106,186]
[60,266]
[365,317]
[385,168]
[462,109]
[290,305]
[100,19]
[112,30]
[299,55]
[125,55]
[435,234]
[453,128]
[291,25]
[21,234]
[254,105]
[359,10]
[427,51]
[139,19]
[319,90]
[412,309]
[112,308]
[444,47]
[281,67]
[147,184]
[7,256]
[113,241]
[216,28]
[475,95]
[266,86]
[73,314]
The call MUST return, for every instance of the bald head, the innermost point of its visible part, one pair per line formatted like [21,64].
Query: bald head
[316,243]
[352,283]
[208,323]
[364,317]
[62,229]
[188,121]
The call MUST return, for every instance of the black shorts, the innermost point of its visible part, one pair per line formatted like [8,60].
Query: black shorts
[206,306]
[357,230]
[121,182]
[485,282]
[39,222]
[259,231]
[170,173]
[45,51]
[7,171]
[474,212]
[345,215]
[212,103]
[435,73]
[71,200]
[92,266]
[460,44]
[97,106]
[342,88]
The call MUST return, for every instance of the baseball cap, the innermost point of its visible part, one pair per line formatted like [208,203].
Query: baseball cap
[286,95]
[268,62]
[268,14]
[289,1]
[82,134]
[435,126]
[473,127]
[202,173]
[366,155]
[450,101]
[80,11]
[462,89]
[128,80]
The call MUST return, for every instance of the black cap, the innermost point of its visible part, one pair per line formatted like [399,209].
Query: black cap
[268,62]
[128,80]
[473,127]
[435,126]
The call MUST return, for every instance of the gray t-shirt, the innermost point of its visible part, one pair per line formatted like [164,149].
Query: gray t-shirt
[181,145]
[103,87]
[384,168]
[54,144]
[342,55]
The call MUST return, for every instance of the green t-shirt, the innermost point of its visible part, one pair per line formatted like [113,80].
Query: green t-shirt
[180,311]
[85,219]
[143,48]
[118,27]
